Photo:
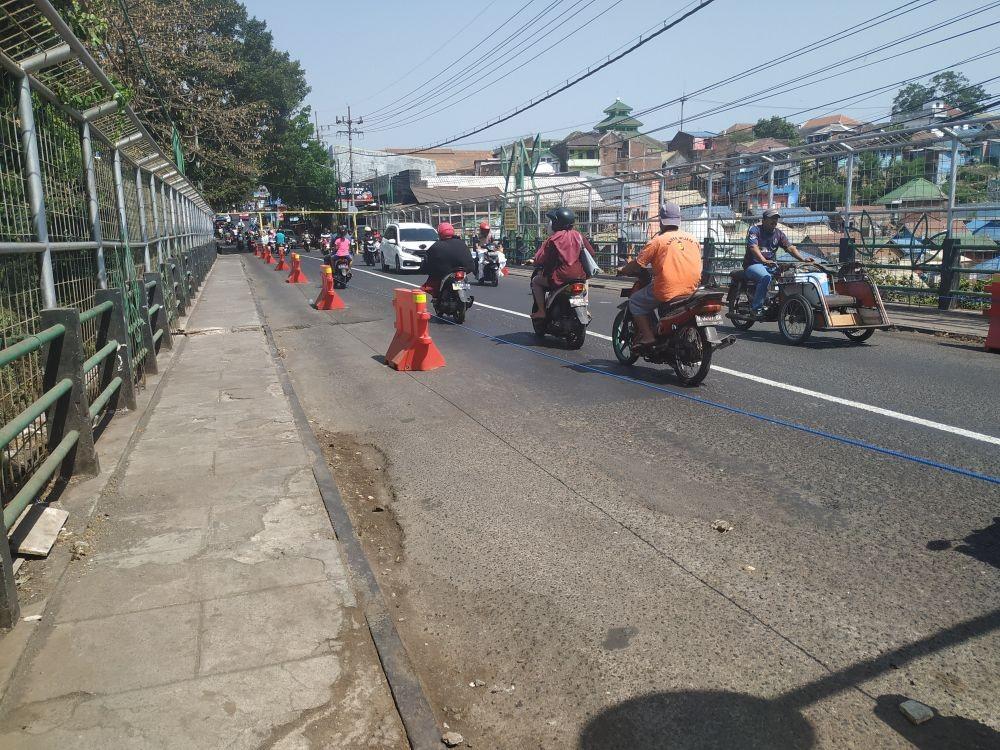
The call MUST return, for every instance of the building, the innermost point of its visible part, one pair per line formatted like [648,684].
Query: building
[369,164]
[448,160]
[693,144]
[614,146]
[827,127]
[916,192]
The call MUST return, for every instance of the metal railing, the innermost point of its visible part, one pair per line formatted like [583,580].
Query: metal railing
[102,243]
[899,196]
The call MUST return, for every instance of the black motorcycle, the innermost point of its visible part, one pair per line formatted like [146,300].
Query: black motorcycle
[567,313]
[453,296]
[372,255]
[341,272]
[491,267]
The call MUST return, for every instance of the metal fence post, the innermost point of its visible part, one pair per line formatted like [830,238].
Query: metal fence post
[10,609]
[947,299]
[96,232]
[770,185]
[128,273]
[143,232]
[708,263]
[848,190]
[36,192]
[64,359]
[156,305]
[847,250]
[952,177]
[114,326]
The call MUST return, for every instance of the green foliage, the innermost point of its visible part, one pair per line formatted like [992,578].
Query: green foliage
[296,169]
[971,180]
[777,127]
[951,87]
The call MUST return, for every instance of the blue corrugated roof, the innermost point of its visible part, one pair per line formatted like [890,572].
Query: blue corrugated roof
[815,218]
[993,264]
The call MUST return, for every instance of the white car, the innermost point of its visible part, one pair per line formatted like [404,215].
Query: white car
[404,245]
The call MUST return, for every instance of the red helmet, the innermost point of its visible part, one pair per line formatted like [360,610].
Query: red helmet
[445,230]
[484,225]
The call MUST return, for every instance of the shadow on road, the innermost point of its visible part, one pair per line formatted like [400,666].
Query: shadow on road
[819,340]
[982,544]
[714,719]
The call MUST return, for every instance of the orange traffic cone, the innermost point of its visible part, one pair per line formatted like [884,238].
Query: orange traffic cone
[412,348]
[296,276]
[282,266]
[268,258]
[256,249]
[328,299]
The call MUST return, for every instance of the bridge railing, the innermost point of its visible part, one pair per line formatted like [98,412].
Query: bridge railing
[103,241]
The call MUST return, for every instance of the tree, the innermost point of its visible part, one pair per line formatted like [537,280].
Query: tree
[951,87]
[296,169]
[212,71]
[776,127]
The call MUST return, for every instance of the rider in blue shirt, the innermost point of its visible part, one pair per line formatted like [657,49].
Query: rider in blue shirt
[759,262]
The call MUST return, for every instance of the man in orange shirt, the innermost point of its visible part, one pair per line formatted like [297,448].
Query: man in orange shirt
[674,259]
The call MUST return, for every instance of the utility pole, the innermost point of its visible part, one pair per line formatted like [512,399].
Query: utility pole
[683,99]
[351,130]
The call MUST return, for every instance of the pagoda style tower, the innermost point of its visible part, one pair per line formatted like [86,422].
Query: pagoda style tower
[618,119]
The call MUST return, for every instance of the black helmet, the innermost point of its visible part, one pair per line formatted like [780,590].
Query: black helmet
[561,218]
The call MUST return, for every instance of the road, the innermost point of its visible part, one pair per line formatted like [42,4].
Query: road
[552,522]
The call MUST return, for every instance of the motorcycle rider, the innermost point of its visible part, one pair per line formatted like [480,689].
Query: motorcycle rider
[279,238]
[445,256]
[342,246]
[759,264]
[482,242]
[674,257]
[558,257]
[325,238]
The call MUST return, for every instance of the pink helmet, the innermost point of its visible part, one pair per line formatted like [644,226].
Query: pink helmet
[484,225]
[445,230]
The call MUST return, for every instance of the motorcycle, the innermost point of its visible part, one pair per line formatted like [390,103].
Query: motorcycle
[371,252]
[324,245]
[453,296]
[490,264]
[306,241]
[685,333]
[567,313]
[341,272]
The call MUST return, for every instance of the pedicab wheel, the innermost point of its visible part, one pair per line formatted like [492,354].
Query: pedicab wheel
[857,335]
[795,319]
[622,332]
[740,321]
[693,359]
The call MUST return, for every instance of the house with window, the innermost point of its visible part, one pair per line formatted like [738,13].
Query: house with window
[614,146]
[828,127]
[693,144]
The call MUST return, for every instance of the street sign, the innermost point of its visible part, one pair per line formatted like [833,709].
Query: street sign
[510,219]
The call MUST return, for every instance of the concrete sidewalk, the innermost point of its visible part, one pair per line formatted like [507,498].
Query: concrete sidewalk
[970,324]
[213,608]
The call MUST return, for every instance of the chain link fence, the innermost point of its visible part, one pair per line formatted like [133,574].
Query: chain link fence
[88,202]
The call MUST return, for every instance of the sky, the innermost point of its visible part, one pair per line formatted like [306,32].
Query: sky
[423,71]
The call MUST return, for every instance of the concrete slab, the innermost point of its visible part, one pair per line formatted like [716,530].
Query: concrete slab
[112,654]
[267,627]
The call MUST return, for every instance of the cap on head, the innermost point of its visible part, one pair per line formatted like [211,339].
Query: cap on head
[670,214]
[484,226]
[771,214]
[445,230]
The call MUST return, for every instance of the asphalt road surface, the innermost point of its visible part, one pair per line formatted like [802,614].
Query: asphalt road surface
[556,519]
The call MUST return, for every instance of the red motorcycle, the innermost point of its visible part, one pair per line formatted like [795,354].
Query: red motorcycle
[685,333]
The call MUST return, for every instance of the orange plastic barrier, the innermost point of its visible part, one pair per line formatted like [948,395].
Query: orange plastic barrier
[282,266]
[268,258]
[296,276]
[993,311]
[411,347]
[328,299]
[256,249]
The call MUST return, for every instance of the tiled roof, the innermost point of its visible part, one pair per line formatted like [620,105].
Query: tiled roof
[819,122]
[454,194]
[684,197]
[447,159]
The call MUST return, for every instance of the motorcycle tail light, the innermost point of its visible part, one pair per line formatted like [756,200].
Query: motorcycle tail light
[459,275]
[710,309]
[578,288]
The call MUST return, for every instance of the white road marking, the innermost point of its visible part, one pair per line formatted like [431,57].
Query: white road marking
[960,431]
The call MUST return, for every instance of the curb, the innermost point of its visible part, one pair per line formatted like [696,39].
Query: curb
[412,704]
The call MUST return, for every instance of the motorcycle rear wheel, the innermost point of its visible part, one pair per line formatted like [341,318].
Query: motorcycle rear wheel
[622,332]
[576,336]
[460,313]
[737,316]
[692,338]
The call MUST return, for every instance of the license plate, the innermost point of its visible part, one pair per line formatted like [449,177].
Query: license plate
[457,286]
[707,320]
[577,301]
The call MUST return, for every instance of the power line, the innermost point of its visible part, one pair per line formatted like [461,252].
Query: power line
[448,41]
[566,38]
[455,62]
[478,64]
[570,84]
[451,98]
[904,8]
